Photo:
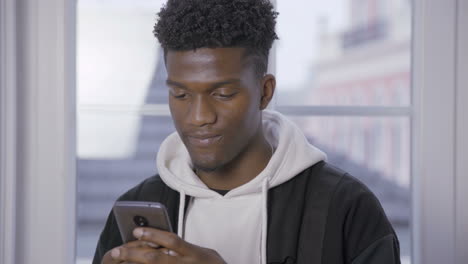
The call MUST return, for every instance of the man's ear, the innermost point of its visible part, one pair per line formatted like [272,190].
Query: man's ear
[268,90]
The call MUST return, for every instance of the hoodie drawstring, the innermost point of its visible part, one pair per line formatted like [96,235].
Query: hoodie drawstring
[263,249]
[180,224]
[264,220]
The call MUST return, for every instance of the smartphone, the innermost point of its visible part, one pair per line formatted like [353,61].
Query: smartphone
[132,214]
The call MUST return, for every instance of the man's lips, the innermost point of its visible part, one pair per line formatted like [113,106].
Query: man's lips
[203,141]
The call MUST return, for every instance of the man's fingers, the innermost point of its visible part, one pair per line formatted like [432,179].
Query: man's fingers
[141,255]
[166,239]
[141,243]
[108,259]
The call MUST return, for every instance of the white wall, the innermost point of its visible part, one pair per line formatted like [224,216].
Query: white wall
[461,162]
[37,164]
[7,131]
[439,141]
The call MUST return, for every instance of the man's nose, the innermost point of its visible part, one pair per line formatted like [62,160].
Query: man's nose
[202,112]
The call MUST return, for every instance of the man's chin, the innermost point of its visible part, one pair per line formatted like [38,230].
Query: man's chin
[205,167]
[209,163]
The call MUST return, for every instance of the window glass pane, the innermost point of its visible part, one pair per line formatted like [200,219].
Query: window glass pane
[376,150]
[344,52]
[344,56]
[112,155]
[119,69]
[118,58]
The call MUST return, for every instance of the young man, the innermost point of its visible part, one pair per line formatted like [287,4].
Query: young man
[242,184]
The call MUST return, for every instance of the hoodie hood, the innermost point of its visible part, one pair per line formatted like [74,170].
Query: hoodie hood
[293,153]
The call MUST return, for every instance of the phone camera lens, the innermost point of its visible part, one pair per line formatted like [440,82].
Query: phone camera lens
[140,221]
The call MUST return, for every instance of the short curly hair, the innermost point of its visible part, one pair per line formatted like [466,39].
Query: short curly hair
[192,24]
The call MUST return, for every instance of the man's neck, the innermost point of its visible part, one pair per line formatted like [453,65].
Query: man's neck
[241,170]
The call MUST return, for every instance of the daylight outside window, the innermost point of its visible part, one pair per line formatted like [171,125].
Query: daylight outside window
[343,73]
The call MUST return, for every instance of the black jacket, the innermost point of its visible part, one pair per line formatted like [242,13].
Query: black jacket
[322,215]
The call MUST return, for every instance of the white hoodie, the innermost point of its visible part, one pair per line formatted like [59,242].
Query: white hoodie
[235,225]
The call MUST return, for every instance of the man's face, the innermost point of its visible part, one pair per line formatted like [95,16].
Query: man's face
[215,102]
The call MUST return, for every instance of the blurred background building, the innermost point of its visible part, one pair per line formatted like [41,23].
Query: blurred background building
[368,63]
[339,53]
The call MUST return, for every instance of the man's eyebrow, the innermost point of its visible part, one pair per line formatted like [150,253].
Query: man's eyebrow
[222,83]
[213,85]
[174,83]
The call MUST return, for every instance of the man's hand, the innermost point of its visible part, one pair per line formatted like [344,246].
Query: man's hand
[173,250]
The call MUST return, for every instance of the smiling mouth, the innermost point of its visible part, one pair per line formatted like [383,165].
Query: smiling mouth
[203,141]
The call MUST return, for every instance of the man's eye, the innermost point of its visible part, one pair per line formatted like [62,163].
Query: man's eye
[179,96]
[224,96]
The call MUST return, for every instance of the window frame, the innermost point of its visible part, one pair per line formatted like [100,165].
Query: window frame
[7,130]
[461,164]
[37,158]
[438,125]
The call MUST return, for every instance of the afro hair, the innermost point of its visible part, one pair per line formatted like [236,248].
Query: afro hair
[192,24]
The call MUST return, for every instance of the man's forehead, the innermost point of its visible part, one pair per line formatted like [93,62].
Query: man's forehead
[204,56]
[206,62]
